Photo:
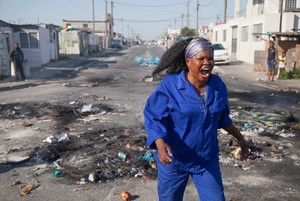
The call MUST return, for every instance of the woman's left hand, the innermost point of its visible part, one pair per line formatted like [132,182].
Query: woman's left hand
[244,149]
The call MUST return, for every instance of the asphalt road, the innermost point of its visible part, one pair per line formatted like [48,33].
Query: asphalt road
[115,81]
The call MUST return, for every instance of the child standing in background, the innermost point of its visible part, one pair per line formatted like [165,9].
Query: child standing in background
[282,63]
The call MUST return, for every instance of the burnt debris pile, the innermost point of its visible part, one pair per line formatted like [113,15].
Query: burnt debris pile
[100,156]
[88,145]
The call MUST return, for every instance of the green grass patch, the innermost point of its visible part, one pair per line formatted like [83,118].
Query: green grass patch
[289,75]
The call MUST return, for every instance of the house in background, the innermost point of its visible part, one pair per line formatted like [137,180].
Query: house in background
[99,32]
[77,42]
[35,41]
[247,34]
[53,42]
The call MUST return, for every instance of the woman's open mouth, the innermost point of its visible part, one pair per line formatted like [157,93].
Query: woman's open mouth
[205,71]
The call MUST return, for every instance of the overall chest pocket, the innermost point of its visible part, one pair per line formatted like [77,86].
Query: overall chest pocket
[216,110]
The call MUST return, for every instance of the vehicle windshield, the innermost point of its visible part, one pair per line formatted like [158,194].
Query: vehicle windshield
[218,46]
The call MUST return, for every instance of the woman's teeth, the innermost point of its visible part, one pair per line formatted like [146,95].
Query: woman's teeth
[204,72]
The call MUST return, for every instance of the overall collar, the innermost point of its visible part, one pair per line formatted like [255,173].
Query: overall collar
[184,84]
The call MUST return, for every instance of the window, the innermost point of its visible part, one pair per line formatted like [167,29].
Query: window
[29,40]
[224,35]
[257,28]
[258,2]
[24,40]
[85,25]
[33,39]
[245,33]
[290,4]
[216,39]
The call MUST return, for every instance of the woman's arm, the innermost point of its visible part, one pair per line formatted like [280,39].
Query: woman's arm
[231,129]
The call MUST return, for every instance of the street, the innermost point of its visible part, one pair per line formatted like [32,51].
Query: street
[95,105]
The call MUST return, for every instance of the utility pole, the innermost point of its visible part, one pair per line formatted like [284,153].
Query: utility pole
[111,20]
[280,11]
[128,30]
[122,27]
[93,17]
[187,14]
[225,11]
[197,22]
[106,32]
[182,21]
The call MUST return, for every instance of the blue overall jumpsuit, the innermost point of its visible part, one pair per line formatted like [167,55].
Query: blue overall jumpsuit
[176,113]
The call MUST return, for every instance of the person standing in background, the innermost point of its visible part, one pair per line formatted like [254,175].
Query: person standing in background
[17,57]
[271,60]
[282,63]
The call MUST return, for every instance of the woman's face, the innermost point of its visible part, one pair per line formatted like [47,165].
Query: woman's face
[200,66]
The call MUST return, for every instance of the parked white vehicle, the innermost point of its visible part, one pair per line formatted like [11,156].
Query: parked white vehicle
[221,55]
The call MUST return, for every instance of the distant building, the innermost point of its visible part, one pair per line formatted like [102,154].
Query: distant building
[38,43]
[246,35]
[100,28]
[173,33]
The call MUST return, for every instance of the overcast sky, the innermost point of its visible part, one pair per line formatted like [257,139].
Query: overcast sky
[148,18]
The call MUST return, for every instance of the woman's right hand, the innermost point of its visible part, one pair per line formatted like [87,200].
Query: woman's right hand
[164,151]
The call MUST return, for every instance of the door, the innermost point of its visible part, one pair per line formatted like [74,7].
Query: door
[234,40]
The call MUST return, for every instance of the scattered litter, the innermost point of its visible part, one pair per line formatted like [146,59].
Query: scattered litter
[287,134]
[236,153]
[16,159]
[122,155]
[247,126]
[27,188]
[87,108]
[94,117]
[296,127]
[92,177]
[56,163]
[291,189]
[116,77]
[127,133]
[57,173]
[126,196]
[52,139]
[149,79]
[26,124]
[16,183]
[148,156]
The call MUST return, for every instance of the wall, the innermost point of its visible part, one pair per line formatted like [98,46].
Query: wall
[44,45]
[4,57]
[74,43]
[36,57]
[99,25]
[69,43]
[297,56]
[292,56]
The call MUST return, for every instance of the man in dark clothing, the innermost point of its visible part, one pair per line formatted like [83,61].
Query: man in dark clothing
[16,56]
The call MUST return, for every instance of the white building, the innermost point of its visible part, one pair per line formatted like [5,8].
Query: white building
[239,35]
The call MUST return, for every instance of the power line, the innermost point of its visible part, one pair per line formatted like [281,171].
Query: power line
[148,21]
[153,6]
[207,4]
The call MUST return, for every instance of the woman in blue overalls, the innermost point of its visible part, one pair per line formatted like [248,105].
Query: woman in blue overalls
[182,117]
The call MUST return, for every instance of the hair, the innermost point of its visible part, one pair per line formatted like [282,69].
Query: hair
[173,59]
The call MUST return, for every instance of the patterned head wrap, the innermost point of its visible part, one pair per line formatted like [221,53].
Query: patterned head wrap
[197,45]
